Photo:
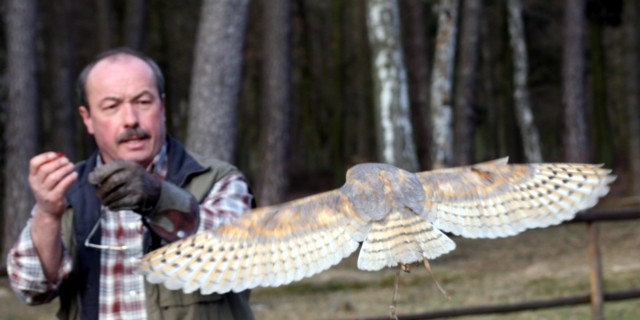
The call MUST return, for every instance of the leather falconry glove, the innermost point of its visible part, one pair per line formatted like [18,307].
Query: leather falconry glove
[168,210]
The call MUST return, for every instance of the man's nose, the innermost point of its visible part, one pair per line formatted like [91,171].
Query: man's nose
[130,115]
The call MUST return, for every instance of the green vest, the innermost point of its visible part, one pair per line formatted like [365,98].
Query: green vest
[161,302]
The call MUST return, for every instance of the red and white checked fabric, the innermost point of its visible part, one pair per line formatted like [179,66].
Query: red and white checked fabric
[121,291]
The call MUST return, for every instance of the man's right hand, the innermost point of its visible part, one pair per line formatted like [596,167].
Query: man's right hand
[50,175]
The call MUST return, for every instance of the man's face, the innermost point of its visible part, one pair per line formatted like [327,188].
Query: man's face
[125,113]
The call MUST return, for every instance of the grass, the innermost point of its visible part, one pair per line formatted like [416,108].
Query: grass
[538,264]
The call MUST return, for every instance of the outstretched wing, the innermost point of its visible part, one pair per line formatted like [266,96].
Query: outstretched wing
[496,199]
[268,246]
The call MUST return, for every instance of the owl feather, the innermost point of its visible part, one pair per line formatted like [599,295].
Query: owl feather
[397,217]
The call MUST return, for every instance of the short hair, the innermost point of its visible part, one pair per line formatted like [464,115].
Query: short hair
[81,83]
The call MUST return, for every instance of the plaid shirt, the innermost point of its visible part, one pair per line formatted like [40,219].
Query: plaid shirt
[122,293]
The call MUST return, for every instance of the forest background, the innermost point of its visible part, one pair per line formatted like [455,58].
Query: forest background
[294,92]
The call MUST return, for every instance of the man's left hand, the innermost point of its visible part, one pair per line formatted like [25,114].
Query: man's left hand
[126,185]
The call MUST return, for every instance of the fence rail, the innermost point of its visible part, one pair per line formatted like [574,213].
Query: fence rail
[515,307]
[600,215]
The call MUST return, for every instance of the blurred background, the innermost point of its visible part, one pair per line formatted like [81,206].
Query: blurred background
[294,92]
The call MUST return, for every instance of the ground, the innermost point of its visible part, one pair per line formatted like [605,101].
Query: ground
[537,264]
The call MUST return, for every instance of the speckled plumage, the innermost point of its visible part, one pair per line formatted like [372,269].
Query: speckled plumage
[398,216]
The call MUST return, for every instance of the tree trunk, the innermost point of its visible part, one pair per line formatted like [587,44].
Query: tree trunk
[467,82]
[276,97]
[574,96]
[394,129]
[632,91]
[134,29]
[21,133]
[216,79]
[441,84]
[415,40]
[528,131]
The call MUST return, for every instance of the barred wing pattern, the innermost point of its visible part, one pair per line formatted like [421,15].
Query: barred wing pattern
[494,199]
[398,216]
[269,246]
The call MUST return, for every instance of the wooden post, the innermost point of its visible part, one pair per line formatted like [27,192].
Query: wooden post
[595,274]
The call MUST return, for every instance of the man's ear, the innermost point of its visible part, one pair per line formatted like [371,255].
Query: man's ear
[86,118]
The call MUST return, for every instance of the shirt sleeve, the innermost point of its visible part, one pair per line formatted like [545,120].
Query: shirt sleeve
[26,274]
[228,199]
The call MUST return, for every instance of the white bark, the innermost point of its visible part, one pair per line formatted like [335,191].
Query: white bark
[441,84]
[395,132]
[528,130]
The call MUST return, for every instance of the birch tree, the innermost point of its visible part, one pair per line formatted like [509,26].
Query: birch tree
[528,130]
[276,98]
[394,131]
[442,83]
[216,78]
[21,131]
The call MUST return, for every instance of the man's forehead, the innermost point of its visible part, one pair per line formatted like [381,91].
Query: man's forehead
[119,61]
[117,67]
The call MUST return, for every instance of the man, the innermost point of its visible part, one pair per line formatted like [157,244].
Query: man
[92,222]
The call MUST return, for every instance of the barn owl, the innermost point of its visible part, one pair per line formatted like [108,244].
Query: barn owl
[394,216]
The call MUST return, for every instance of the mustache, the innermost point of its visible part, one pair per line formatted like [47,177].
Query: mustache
[133,133]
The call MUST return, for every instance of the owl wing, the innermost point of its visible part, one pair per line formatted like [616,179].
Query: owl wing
[496,199]
[268,246]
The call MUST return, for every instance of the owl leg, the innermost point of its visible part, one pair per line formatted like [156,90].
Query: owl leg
[428,267]
[401,267]
[394,300]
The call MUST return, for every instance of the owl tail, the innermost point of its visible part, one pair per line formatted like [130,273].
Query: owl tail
[402,238]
